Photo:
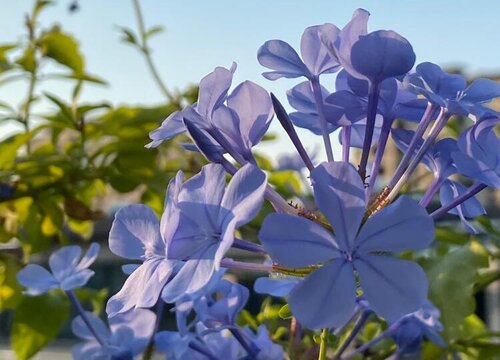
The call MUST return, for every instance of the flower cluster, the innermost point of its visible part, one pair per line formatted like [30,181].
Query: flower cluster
[334,264]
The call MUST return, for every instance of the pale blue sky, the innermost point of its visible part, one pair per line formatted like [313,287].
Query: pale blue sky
[203,34]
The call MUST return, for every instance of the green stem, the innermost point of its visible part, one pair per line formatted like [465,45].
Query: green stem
[147,55]
[323,344]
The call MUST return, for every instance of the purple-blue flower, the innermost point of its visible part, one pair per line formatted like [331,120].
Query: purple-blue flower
[451,90]
[137,234]
[478,156]
[410,331]
[280,57]
[209,215]
[232,123]
[298,242]
[68,270]
[469,209]
[127,336]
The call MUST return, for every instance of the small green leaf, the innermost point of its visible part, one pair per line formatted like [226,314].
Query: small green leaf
[451,284]
[10,290]
[37,321]
[62,48]
[285,313]
[153,31]
[27,60]
[128,36]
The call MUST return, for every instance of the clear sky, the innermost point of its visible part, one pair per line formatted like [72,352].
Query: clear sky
[203,34]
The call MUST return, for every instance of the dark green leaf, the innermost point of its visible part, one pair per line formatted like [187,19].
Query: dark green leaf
[154,30]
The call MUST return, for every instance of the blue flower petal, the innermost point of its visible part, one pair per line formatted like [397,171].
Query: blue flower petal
[169,128]
[340,195]
[274,287]
[136,232]
[403,225]
[382,54]
[295,241]
[314,53]
[281,57]
[482,90]
[80,328]
[63,262]
[331,287]
[213,91]
[393,287]
[37,279]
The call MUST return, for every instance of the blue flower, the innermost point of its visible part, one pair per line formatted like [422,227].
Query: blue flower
[298,242]
[279,287]
[262,340]
[229,123]
[469,209]
[478,156]
[137,234]
[279,56]
[410,331]
[438,159]
[67,270]
[209,215]
[127,336]
[451,90]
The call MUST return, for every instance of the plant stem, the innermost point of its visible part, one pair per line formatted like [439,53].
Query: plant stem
[249,246]
[196,347]
[150,349]
[434,132]
[323,344]
[384,136]
[422,126]
[371,114]
[346,143]
[355,331]
[369,344]
[147,54]
[74,300]
[473,190]
[231,264]
[316,88]
[251,349]
[431,191]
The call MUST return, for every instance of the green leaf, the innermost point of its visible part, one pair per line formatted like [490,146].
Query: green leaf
[451,284]
[5,64]
[10,146]
[62,48]
[67,115]
[37,321]
[80,76]
[27,59]
[285,313]
[10,290]
[153,31]
[128,36]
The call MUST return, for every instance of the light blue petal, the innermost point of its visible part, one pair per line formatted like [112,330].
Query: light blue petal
[315,54]
[274,287]
[141,322]
[80,328]
[393,287]
[142,288]
[194,274]
[213,91]
[89,257]
[254,111]
[244,195]
[76,280]
[169,128]
[403,225]
[64,261]
[332,287]
[340,195]
[295,241]
[136,232]
[281,57]
[37,279]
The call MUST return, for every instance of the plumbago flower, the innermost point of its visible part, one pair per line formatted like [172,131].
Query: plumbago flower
[209,216]
[232,123]
[69,270]
[298,242]
[450,90]
[128,335]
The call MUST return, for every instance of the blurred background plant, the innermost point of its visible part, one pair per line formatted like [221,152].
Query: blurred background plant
[67,165]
